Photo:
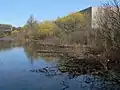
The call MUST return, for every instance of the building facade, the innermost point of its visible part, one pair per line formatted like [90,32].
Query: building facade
[91,16]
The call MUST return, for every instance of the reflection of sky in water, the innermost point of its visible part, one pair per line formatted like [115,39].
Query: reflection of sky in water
[15,75]
[16,58]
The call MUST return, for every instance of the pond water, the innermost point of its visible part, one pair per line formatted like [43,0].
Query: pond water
[20,69]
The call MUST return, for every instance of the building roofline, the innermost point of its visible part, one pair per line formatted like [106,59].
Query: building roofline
[90,7]
[85,9]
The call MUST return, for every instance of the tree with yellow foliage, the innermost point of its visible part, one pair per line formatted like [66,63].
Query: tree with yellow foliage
[71,22]
[46,28]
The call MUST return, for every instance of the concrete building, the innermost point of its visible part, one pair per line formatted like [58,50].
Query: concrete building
[91,13]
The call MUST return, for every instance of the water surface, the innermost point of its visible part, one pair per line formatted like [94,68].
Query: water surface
[22,69]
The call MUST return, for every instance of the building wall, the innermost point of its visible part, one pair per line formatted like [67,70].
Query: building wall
[88,17]
[91,16]
[95,11]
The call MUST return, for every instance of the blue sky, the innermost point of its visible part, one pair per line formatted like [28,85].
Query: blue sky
[16,12]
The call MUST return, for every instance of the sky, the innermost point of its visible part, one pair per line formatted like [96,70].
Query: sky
[17,12]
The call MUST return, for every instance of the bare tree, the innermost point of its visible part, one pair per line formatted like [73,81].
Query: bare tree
[31,27]
[108,32]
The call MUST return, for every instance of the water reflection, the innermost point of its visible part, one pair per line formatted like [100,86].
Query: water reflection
[97,75]
[34,52]
[95,70]
[71,72]
[5,45]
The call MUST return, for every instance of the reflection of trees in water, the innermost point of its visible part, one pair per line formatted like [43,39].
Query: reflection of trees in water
[92,72]
[30,53]
[84,81]
[5,45]
[76,67]
[8,44]
[33,52]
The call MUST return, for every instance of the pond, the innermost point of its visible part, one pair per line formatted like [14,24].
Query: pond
[22,69]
